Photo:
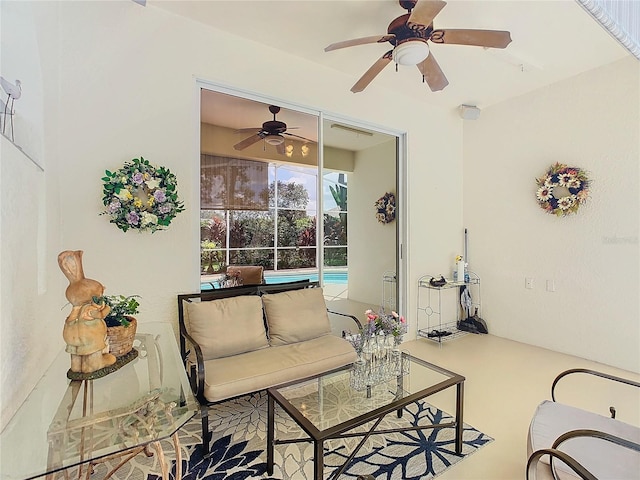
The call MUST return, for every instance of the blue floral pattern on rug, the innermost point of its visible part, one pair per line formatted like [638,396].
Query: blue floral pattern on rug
[414,455]
[239,447]
[232,461]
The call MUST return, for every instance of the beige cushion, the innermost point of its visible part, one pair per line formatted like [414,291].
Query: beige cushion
[260,369]
[228,326]
[296,316]
[601,458]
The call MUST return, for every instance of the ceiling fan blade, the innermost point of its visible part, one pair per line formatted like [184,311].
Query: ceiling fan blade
[298,136]
[373,71]
[479,38]
[433,74]
[247,142]
[248,130]
[424,12]
[360,41]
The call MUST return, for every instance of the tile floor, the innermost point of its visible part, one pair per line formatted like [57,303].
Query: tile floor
[505,381]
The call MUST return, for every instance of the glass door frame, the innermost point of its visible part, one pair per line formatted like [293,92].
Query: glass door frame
[322,116]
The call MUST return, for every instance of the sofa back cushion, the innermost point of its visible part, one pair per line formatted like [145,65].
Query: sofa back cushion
[296,316]
[228,326]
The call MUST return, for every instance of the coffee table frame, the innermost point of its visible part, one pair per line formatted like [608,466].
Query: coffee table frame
[341,430]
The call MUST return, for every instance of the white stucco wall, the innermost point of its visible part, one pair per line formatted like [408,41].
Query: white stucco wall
[30,300]
[118,82]
[591,121]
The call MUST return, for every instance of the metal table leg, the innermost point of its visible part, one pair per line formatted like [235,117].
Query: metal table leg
[318,460]
[459,423]
[270,433]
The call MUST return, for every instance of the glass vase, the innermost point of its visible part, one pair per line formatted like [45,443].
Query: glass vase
[397,340]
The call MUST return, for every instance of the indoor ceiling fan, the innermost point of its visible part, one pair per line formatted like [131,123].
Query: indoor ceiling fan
[272,132]
[409,34]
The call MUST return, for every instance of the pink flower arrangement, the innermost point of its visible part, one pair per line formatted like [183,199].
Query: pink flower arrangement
[392,324]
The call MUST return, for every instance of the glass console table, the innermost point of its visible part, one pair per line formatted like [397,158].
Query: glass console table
[64,424]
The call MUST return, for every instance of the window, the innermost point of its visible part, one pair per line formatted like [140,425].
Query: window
[259,213]
[335,219]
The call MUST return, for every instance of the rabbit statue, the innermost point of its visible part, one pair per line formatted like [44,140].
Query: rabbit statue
[84,329]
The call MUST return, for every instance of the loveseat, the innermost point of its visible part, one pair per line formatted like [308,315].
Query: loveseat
[245,339]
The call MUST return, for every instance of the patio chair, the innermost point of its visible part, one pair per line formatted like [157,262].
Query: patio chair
[567,442]
[250,274]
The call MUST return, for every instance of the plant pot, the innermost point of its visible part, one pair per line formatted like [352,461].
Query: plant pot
[120,338]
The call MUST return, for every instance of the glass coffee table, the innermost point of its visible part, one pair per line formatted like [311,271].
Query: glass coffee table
[67,424]
[328,406]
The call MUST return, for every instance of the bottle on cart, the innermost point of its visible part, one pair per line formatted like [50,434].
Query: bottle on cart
[458,269]
[466,273]
[461,270]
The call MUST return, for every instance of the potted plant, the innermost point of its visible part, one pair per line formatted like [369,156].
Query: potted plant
[121,325]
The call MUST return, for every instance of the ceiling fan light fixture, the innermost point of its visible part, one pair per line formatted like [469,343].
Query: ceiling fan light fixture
[274,140]
[411,52]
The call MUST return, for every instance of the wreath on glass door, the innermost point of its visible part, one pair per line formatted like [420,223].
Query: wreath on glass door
[386,208]
[562,189]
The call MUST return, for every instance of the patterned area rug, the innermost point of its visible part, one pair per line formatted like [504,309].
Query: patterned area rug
[239,449]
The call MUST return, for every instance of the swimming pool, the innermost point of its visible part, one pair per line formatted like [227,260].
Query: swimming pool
[340,277]
[329,277]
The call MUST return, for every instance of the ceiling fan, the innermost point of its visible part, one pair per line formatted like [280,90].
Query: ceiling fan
[409,34]
[272,132]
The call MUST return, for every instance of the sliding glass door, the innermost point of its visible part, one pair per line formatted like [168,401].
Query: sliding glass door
[359,167]
[272,197]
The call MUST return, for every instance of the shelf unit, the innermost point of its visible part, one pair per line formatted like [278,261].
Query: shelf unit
[389,291]
[430,307]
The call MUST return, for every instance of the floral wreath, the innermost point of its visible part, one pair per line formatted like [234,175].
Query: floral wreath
[562,190]
[386,208]
[141,196]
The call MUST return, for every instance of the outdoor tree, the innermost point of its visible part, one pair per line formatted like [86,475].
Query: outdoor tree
[339,193]
[252,230]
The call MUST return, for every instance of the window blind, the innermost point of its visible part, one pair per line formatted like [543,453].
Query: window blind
[228,183]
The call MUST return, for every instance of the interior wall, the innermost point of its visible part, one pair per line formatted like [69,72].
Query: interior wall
[591,121]
[30,298]
[338,159]
[28,120]
[371,245]
[29,301]
[109,98]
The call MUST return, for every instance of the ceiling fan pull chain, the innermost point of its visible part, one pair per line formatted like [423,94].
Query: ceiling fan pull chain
[396,67]
[422,78]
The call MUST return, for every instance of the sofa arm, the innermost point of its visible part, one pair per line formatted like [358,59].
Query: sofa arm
[532,463]
[195,371]
[354,319]
[596,434]
[555,452]
[190,350]
[594,373]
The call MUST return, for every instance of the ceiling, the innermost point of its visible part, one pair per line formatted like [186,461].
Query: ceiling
[552,40]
